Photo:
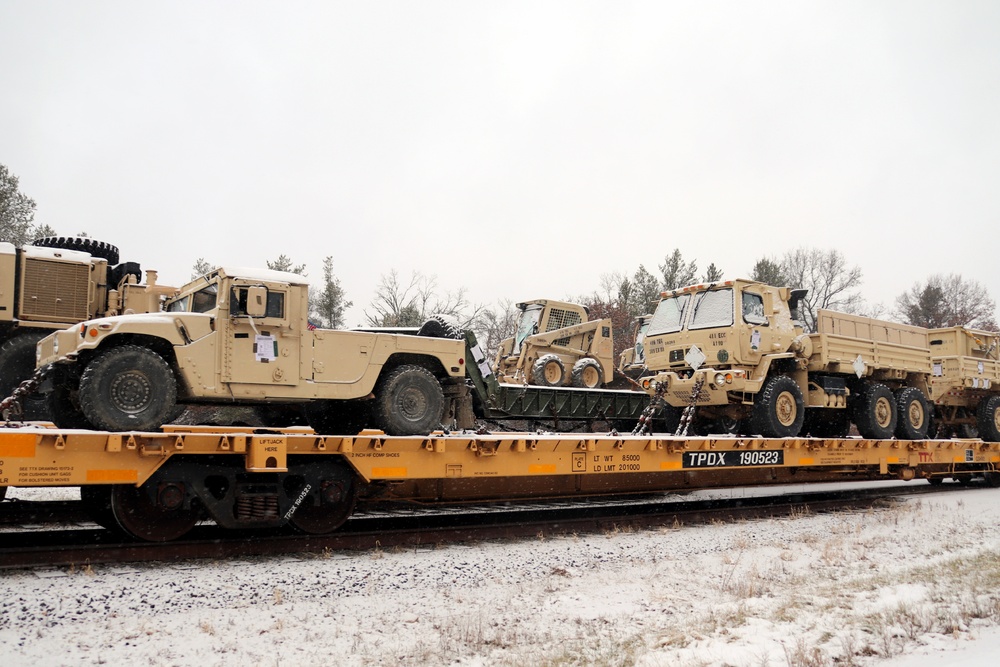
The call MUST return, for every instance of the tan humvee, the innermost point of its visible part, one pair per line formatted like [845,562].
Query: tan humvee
[243,336]
[55,282]
[738,352]
[965,382]
[557,345]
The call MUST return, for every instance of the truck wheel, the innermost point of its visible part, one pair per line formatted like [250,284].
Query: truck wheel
[988,418]
[93,246]
[128,388]
[409,401]
[548,371]
[587,373]
[875,412]
[914,414]
[778,411]
[439,326]
[17,364]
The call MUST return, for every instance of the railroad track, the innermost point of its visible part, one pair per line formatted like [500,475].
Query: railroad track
[398,526]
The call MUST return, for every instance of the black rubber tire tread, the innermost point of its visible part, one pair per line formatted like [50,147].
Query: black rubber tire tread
[337,417]
[764,418]
[96,248]
[579,370]
[64,408]
[17,364]
[827,422]
[908,399]
[865,417]
[988,418]
[440,326]
[408,401]
[538,371]
[140,369]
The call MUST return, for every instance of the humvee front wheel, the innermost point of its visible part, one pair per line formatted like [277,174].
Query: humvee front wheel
[128,388]
[778,410]
[409,401]
[988,419]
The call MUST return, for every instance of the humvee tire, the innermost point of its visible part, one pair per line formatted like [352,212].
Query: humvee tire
[17,364]
[128,388]
[408,401]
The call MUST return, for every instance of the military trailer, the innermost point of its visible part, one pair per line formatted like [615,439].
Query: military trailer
[55,282]
[737,352]
[556,345]
[965,382]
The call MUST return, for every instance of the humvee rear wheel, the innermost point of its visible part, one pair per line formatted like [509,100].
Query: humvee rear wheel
[778,410]
[409,401]
[875,412]
[548,371]
[587,373]
[914,414]
[988,419]
[323,494]
[128,388]
[64,408]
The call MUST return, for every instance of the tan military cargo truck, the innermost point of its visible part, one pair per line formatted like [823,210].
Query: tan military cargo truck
[737,351]
[242,336]
[55,282]
[556,345]
[965,382]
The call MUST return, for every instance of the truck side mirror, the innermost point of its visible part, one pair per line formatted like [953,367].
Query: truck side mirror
[256,301]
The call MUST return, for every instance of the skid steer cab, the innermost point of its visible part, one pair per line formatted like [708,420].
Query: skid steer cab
[557,345]
[243,336]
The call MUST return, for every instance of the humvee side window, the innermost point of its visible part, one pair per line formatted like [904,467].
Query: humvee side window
[753,309]
[714,308]
[203,300]
[668,315]
[238,303]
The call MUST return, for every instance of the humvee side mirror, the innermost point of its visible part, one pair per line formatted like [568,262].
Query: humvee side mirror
[256,301]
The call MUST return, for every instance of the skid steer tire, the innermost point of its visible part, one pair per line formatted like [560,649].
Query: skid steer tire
[408,401]
[587,373]
[548,371]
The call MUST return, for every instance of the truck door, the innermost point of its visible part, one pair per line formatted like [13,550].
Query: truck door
[756,334]
[261,347]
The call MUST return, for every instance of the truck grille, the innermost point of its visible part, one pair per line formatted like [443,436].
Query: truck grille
[55,291]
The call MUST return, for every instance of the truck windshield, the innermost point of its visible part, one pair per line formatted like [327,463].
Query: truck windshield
[713,308]
[528,326]
[669,315]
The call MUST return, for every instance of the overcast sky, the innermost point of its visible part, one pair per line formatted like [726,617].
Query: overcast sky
[519,150]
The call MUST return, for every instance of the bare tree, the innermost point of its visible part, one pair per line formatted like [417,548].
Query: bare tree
[493,325]
[830,281]
[17,211]
[947,301]
[409,305]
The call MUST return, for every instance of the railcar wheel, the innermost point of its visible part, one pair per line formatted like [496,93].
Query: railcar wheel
[128,388]
[914,414]
[587,373]
[988,418]
[875,412]
[548,371]
[778,410]
[17,364]
[409,401]
[155,511]
[3,492]
[323,495]
[96,501]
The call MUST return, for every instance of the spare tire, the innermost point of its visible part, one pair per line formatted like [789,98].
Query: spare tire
[83,244]
[440,326]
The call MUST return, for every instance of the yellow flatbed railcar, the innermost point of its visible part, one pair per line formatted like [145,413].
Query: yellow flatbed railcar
[157,486]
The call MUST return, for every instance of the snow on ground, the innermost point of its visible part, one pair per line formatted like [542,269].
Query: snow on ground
[911,585]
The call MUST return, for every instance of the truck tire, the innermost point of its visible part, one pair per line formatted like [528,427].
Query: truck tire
[988,418]
[83,244]
[128,388]
[439,326]
[17,364]
[548,371]
[778,411]
[587,373]
[875,412]
[408,401]
[913,420]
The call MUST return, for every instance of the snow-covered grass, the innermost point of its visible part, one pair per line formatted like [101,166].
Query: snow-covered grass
[912,583]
